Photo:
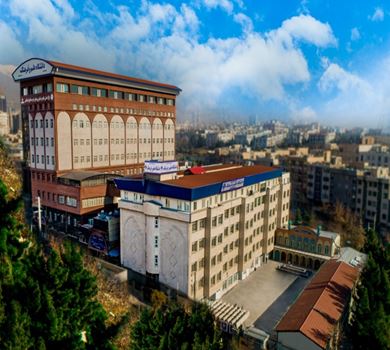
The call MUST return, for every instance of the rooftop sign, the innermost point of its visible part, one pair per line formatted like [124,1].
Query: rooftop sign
[154,167]
[232,185]
[32,68]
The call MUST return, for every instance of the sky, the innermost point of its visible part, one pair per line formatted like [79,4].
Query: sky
[301,61]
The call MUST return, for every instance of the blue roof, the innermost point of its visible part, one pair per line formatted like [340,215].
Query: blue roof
[157,188]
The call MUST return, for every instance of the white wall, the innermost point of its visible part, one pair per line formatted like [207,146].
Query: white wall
[117,144]
[132,237]
[144,140]
[158,140]
[174,252]
[169,140]
[100,141]
[131,141]
[81,131]
[49,134]
[137,243]
[39,149]
[64,141]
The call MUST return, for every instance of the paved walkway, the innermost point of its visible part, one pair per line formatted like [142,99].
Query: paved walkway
[266,294]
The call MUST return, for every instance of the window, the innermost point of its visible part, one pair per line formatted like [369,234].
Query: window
[115,94]
[72,202]
[60,87]
[195,246]
[156,260]
[156,241]
[99,93]
[130,97]
[156,221]
[37,89]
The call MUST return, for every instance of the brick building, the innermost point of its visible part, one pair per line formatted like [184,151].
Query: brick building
[81,126]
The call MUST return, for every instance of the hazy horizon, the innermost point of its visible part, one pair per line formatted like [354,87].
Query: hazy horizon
[297,61]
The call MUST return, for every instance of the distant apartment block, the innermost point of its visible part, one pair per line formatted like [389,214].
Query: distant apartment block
[4,123]
[203,230]
[366,192]
[321,138]
[3,103]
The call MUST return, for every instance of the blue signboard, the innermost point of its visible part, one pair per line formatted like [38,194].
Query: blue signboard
[232,184]
[97,242]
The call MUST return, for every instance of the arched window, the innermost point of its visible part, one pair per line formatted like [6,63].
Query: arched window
[319,249]
[326,248]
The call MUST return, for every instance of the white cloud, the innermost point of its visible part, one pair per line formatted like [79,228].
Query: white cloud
[161,42]
[11,49]
[354,99]
[245,22]
[304,115]
[355,34]
[223,4]
[336,77]
[307,28]
[378,15]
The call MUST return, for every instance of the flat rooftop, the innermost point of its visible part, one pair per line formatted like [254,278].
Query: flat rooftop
[266,293]
[216,180]
[221,174]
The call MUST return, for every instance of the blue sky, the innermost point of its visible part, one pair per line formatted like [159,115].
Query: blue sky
[293,60]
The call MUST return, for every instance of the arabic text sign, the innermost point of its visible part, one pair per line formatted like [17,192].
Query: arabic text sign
[232,185]
[39,99]
[160,167]
[32,68]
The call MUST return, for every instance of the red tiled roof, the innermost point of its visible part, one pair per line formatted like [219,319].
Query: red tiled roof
[196,170]
[227,174]
[111,75]
[321,303]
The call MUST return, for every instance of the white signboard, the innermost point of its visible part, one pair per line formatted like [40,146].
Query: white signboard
[152,167]
[39,99]
[32,68]
[232,185]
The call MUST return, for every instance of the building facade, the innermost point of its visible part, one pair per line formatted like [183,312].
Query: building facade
[3,103]
[202,233]
[305,246]
[80,123]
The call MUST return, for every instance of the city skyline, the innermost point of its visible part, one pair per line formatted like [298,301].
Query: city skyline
[301,61]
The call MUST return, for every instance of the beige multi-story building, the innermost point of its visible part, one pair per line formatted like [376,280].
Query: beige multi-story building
[201,231]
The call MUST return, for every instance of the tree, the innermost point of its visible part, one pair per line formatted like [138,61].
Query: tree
[171,327]
[298,217]
[47,297]
[371,319]
[342,220]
